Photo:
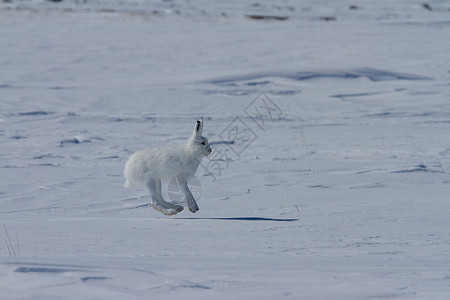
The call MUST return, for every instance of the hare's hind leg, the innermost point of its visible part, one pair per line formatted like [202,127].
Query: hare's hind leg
[163,202]
[152,186]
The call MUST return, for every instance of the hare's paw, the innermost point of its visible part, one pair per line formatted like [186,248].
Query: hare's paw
[178,208]
[193,207]
[172,206]
[167,211]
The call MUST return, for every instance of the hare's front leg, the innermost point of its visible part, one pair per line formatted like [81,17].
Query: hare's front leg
[193,207]
[153,188]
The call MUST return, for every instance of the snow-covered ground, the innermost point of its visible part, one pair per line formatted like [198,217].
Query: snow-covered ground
[329,121]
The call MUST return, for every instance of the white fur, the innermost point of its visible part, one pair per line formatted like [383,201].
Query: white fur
[146,168]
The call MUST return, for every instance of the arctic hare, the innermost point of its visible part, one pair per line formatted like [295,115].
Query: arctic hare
[146,168]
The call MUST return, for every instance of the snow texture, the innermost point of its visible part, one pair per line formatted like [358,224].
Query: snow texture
[330,128]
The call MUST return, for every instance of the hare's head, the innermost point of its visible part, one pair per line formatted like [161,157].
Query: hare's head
[198,142]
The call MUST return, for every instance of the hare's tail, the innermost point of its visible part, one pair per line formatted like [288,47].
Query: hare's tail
[128,184]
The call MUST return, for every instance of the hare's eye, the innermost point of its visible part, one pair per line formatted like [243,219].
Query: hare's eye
[203,143]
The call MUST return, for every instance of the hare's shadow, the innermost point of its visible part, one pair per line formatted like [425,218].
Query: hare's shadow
[242,219]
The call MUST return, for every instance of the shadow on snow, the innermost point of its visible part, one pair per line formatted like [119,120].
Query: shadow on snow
[242,219]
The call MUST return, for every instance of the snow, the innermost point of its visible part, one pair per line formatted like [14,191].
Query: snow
[341,192]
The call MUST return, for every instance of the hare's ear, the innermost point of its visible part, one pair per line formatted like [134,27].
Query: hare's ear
[198,129]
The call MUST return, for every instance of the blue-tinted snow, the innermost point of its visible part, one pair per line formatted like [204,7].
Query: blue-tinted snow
[337,185]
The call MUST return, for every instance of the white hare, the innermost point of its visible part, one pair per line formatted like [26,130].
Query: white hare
[146,168]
